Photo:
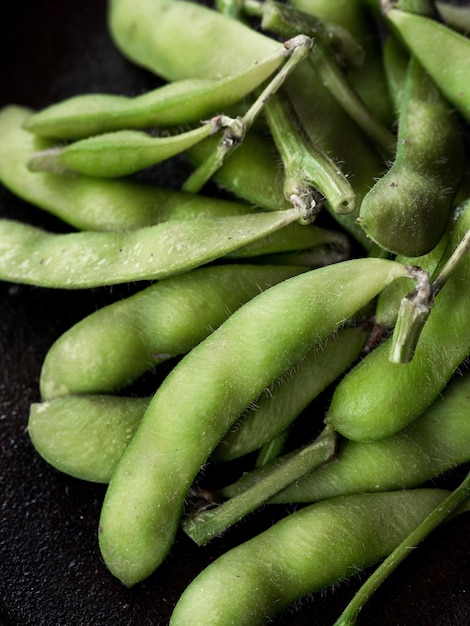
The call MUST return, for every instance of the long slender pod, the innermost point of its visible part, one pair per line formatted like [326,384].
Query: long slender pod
[279,405]
[178,103]
[31,255]
[208,390]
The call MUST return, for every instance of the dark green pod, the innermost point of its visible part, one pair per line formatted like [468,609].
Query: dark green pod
[407,210]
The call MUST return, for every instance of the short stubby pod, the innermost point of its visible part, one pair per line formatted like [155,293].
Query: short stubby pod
[208,390]
[113,346]
[308,550]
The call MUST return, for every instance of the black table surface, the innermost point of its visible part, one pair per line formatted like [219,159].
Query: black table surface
[51,572]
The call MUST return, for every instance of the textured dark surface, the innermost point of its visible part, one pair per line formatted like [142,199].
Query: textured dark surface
[51,573]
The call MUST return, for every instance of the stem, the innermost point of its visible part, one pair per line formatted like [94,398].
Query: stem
[349,616]
[412,315]
[207,524]
[308,170]
[296,49]
[415,307]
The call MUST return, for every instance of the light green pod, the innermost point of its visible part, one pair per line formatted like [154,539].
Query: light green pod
[378,398]
[208,390]
[173,104]
[116,344]
[318,546]
[31,255]
[116,154]
[87,203]
[165,37]
[85,436]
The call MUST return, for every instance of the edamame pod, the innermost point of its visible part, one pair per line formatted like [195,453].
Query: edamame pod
[178,103]
[85,436]
[436,442]
[113,346]
[279,405]
[426,39]
[407,210]
[377,398]
[208,390]
[88,203]
[120,153]
[165,36]
[31,255]
[308,550]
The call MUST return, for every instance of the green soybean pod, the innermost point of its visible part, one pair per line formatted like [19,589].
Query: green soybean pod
[426,38]
[165,36]
[283,401]
[178,103]
[207,391]
[407,210]
[88,203]
[311,549]
[80,260]
[120,153]
[85,436]
[113,346]
[377,398]
[436,442]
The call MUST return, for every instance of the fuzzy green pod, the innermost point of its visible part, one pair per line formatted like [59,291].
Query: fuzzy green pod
[178,103]
[85,436]
[279,405]
[308,550]
[407,210]
[208,390]
[81,260]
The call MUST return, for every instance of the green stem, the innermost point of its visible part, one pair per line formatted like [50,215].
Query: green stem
[297,49]
[308,170]
[205,525]
[415,307]
[349,616]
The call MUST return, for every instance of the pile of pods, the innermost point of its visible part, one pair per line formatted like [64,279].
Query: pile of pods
[335,258]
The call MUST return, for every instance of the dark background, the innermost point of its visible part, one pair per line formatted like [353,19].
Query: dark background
[51,572]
